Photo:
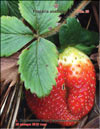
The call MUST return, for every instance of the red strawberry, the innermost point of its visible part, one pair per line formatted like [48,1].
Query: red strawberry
[67,105]
[54,106]
[80,80]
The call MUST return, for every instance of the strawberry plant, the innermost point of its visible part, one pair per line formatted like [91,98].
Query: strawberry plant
[58,76]
[77,99]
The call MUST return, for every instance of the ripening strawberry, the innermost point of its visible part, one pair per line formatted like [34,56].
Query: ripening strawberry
[53,107]
[79,79]
[73,95]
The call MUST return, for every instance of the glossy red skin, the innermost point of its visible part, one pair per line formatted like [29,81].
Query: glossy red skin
[81,88]
[79,92]
[54,106]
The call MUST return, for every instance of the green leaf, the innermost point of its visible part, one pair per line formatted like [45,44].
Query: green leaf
[4,8]
[13,8]
[84,48]
[10,8]
[72,34]
[39,15]
[63,6]
[37,66]
[14,35]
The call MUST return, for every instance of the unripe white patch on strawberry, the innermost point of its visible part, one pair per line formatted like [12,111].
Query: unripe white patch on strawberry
[72,56]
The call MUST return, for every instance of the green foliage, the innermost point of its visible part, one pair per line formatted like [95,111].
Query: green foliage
[4,8]
[38,62]
[10,8]
[85,48]
[37,65]
[14,35]
[64,5]
[72,34]
[39,15]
